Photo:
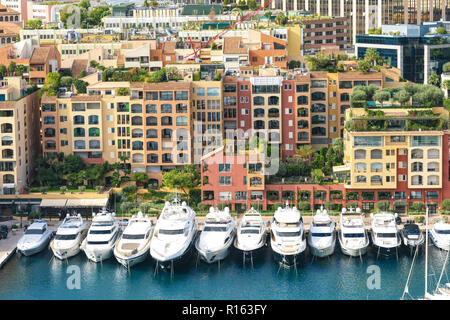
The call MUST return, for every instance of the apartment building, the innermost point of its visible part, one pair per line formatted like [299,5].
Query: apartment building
[9,15]
[42,61]
[19,135]
[412,49]
[151,124]
[19,6]
[318,34]
[397,163]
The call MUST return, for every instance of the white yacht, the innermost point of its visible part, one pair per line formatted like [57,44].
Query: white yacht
[133,246]
[412,236]
[353,236]
[102,236]
[69,236]
[36,238]
[440,235]
[322,234]
[217,235]
[175,232]
[251,233]
[287,235]
[385,235]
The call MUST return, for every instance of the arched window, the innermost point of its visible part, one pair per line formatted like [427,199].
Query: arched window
[433,154]
[78,119]
[274,113]
[138,158]
[152,158]
[79,144]
[258,101]
[166,133]
[152,145]
[166,121]
[258,113]
[94,132]
[302,100]
[273,100]
[416,167]
[137,133]
[302,112]
[433,167]
[318,107]
[318,119]
[167,158]
[361,166]
[138,145]
[302,136]
[319,131]
[136,108]
[302,124]
[433,180]
[151,121]
[274,124]
[152,133]
[150,108]
[376,154]
[94,144]
[136,121]
[259,124]
[93,119]
[417,154]
[360,154]
[361,179]
[48,132]
[376,179]
[166,108]
[8,178]
[318,96]
[79,132]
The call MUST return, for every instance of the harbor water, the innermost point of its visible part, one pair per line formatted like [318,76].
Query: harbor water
[41,277]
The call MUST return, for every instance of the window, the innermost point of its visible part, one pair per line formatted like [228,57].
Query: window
[258,101]
[318,96]
[416,180]
[181,95]
[367,142]
[397,138]
[376,154]
[423,141]
[302,88]
[302,100]
[225,181]
[200,92]
[150,108]
[240,195]
[166,108]
[224,167]
[166,95]
[213,92]
[416,194]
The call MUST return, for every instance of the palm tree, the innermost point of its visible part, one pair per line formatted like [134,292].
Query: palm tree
[268,14]
[304,152]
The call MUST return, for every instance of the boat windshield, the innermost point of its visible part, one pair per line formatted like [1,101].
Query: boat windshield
[353,235]
[210,228]
[133,236]
[327,224]
[66,236]
[100,231]
[171,232]
[255,231]
[97,242]
[321,234]
[386,235]
[289,234]
[34,231]
[443,231]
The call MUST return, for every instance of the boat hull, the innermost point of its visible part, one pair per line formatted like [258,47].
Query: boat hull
[98,254]
[35,249]
[353,252]
[213,256]
[167,264]
[132,260]
[322,252]
[65,253]
[440,244]
[256,248]
[386,249]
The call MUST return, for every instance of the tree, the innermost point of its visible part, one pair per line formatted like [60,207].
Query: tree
[434,80]
[373,57]
[383,205]
[20,70]
[73,163]
[3,70]
[52,84]
[252,5]
[402,96]
[33,24]
[445,205]
[80,85]
[66,82]
[146,4]
[364,66]
[381,96]
[417,206]
[140,177]
[187,178]
[96,15]
[123,91]
[268,14]
[85,4]
[281,19]
[441,30]
[317,176]
[304,152]
[12,67]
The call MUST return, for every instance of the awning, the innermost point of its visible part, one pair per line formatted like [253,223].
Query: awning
[55,203]
[86,203]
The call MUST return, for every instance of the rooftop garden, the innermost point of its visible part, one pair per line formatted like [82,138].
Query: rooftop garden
[137,74]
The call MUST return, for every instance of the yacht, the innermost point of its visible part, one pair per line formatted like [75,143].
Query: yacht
[353,236]
[287,235]
[133,246]
[411,235]
[440,235]
[69,236]
[322,234]
[385,235]
[217,235]
[251,232]
[102,236]
[36,238]
[175,232]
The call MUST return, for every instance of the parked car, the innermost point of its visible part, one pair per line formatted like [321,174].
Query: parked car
[3,232]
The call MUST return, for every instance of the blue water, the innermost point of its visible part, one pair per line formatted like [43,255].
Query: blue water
[41,277]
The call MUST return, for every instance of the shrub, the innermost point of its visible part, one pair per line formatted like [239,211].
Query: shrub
[383,205]
[222,206]
[43,189]
[277,204]
[63,189]
[417,206]
[304,206]
[445,204]
[419,219]
[353,205]
[203,207]
[81,189]
[98,189]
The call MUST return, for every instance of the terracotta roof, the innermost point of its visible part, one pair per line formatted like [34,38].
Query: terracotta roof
[233,45]
[40,55]
[4,10]
[9,29]
[78,66]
